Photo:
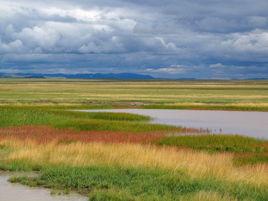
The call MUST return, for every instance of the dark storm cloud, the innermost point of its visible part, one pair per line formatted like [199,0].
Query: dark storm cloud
[171,38]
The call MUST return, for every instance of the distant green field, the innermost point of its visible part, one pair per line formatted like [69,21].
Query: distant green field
[226,95]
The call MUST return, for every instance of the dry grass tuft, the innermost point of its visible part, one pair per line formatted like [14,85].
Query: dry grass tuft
[208,196]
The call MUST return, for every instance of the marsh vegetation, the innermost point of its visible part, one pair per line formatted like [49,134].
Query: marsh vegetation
[122,157]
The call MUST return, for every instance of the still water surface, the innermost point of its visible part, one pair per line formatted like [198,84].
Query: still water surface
[254,124]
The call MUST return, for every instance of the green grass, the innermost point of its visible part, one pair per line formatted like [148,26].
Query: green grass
[18,116]
[4,150]
[114,184]
[251,159]
[247,150]
[211,106]
[216,143]
[108,116]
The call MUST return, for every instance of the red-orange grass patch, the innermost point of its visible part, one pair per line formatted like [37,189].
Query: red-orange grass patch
[45,134]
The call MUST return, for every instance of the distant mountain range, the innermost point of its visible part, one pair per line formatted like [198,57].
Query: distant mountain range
[116,76]
[108,76]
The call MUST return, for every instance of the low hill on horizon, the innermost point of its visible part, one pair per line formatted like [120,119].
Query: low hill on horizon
[119,76]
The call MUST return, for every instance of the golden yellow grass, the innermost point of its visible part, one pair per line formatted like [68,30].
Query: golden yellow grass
[196,164]
[208,196]
[73,92]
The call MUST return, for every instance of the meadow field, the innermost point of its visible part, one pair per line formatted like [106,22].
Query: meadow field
[226,95]
[123,157]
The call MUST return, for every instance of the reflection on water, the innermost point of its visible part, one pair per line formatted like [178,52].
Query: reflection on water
[253,124]
[17,192]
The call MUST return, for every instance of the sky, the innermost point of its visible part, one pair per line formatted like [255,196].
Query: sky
[205,39]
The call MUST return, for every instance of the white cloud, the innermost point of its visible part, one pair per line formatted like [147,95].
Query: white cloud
[217,66]
[256,41]
[173,69]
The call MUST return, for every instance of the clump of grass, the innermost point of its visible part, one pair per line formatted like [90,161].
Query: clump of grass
[217,143]
[208,196]
[4,150]
[248,151]
[251,158]
[122,126]
[108,116]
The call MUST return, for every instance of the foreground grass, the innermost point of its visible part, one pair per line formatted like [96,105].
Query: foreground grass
[224,95]
[128,184]
[195,164]
[114,172]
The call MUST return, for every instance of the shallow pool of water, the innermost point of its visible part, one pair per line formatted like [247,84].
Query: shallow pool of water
[17,192]
[254,124]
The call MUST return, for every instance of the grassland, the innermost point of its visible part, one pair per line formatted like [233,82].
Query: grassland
[216,143]
[245,150]
[18,116]
[226,95]
[135,172]
[121,157]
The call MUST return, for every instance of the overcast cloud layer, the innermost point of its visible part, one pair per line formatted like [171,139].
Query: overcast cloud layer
[164,38]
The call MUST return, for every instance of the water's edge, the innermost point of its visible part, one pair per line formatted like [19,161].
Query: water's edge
[253,124]
[15,192]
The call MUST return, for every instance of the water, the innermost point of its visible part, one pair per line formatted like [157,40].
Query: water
[17,192]
[254,124]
